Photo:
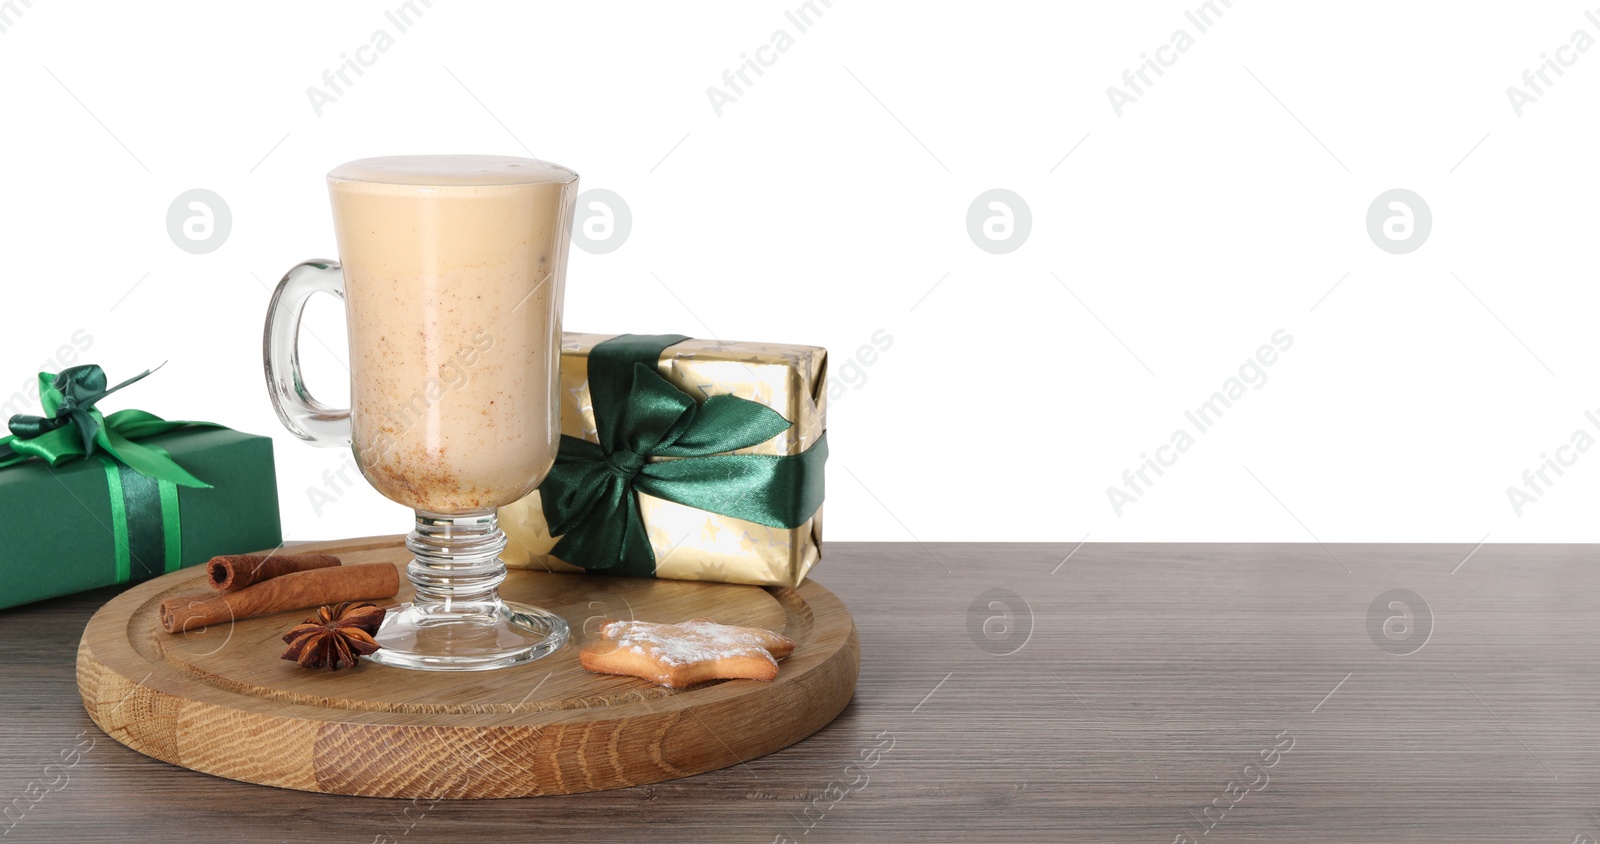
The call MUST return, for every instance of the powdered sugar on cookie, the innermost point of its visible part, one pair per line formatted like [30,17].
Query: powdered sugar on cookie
[678,655]
[686,643]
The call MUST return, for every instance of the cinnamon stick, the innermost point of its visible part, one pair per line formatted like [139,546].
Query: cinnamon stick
[240,570]
[309,588]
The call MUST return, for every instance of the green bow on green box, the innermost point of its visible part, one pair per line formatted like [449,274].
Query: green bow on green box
[72,427]
[142,480]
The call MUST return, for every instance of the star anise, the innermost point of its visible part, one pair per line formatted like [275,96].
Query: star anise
[336,636]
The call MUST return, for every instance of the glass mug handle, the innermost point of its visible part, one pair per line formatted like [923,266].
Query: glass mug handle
[298,410]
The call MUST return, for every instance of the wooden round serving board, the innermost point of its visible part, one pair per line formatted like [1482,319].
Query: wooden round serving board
[222,701]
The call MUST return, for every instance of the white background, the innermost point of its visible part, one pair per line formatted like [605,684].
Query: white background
[830,197]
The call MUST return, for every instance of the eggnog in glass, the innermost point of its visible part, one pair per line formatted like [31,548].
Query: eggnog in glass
[452,270]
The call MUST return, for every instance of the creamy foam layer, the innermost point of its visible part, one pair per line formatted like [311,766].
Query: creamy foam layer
[453,273]
[451,171]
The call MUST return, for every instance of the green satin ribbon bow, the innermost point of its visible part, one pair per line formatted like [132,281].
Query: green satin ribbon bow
[72,427]
[589,496]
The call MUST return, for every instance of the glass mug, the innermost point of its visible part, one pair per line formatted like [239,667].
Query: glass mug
[452,270]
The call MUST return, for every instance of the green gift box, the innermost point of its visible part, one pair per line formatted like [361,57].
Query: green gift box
[93,520]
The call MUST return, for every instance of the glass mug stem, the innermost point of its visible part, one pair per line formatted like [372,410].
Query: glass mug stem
[457,569]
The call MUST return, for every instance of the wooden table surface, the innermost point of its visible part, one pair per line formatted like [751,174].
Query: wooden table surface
[1019,692]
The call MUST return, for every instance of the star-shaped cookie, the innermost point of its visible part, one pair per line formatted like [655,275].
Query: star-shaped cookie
[679,655]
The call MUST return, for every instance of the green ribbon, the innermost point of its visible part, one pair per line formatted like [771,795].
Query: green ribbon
[136,535]
[72,427]
[656,439]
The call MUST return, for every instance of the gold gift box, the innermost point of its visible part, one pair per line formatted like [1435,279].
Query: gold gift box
[692,544]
